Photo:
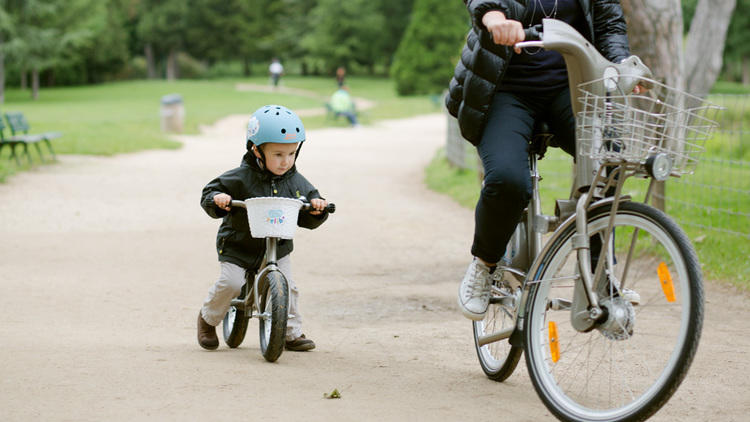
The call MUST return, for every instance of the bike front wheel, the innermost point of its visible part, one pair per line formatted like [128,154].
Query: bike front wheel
[274,305]
[629,364]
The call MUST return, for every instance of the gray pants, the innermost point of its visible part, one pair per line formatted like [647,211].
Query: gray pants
[228,287]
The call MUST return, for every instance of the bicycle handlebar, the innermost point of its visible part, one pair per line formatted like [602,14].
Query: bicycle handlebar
[583,61]
[330,208]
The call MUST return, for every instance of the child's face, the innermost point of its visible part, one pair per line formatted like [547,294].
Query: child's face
[279,157]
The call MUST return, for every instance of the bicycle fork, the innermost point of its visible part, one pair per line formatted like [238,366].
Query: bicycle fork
[585,309]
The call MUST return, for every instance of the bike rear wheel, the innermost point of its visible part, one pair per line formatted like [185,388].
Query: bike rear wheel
[627,367]
[498,359]
[234,327]
[235,323]
[274,308]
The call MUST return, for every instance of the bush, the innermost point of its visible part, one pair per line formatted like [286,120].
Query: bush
[427,55]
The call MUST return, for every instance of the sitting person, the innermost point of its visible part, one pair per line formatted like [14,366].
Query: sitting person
[342,105]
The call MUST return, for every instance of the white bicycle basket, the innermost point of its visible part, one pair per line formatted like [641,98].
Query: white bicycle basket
[624,127]
[272,217]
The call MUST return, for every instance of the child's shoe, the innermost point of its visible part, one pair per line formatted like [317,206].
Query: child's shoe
[207,334]
[300,344]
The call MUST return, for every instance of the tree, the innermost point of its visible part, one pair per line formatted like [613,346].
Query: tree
[162,27]
[655,29]
[6,27]
[737,51]
[397,14]
[344,33]
[427,55]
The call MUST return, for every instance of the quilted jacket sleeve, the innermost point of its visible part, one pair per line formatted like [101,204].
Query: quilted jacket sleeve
[610,30]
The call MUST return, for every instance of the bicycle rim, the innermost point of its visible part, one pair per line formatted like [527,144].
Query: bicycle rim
[628,367]
[498,359]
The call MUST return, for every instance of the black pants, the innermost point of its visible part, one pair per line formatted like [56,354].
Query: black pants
[504,153]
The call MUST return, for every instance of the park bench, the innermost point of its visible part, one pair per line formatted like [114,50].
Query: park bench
[12,142]
[19,128]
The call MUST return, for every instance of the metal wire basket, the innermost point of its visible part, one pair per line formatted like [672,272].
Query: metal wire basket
[625,127]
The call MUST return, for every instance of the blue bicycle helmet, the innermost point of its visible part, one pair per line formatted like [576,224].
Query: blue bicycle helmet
[275,123]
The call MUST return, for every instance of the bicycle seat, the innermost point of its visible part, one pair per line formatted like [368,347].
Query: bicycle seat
[541,138]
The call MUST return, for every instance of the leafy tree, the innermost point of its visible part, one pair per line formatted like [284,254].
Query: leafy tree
[344,33]
[47,33]
[297,25]
[162,27]
[397,14]
[737,50]
[6,28]
[427,55]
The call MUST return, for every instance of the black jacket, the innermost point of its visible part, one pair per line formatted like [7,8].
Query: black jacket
[482,64]
[233,242]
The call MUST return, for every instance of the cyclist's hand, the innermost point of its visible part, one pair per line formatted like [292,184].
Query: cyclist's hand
[639,89]
[223,201]
[318,206]
[504,31]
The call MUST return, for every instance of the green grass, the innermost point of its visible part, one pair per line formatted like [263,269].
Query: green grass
[123,117]
[715,185]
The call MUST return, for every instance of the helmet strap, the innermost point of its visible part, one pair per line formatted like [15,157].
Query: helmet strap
[260,160]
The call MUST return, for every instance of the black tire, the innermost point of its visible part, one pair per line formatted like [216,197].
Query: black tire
[628,367]
[235,324]
[498,359]
[274,311]
[234,327]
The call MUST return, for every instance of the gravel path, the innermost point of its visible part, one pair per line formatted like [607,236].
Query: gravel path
[104,263]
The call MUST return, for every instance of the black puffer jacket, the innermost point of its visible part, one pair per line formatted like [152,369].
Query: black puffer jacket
[233,242]
[482,64]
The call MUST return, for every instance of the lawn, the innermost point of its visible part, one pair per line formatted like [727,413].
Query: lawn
[124,117]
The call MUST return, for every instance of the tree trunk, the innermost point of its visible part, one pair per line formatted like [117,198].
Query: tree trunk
[746,71]
[704,48]
[2,72]
[246,66]
[172,65]
[34,83]
[148,51]
[655,34]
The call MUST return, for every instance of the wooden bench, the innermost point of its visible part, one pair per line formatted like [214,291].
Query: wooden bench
[19,128]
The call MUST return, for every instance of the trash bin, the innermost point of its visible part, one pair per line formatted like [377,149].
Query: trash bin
[172,113]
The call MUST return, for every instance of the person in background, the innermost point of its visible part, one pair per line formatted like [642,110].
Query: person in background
[342,105]
[340,76]
[275,70]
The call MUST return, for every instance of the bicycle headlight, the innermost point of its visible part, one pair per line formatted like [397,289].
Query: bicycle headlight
[659,166]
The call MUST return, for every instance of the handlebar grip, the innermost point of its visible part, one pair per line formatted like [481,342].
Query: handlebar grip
[330,208]
[533,33]
[236,203]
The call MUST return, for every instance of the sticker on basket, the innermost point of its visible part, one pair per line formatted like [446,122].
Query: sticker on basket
[275,217]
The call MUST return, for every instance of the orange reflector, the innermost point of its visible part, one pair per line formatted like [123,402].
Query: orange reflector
[666,281]
[554,343]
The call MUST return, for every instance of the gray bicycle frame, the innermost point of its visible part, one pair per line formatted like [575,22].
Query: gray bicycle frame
[584,64]
[252,300]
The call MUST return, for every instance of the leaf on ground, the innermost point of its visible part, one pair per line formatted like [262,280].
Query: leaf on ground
[333,395]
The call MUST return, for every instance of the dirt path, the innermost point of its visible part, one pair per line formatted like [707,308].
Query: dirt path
[104,263]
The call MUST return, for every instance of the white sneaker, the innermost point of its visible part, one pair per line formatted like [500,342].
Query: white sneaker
[474,291]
